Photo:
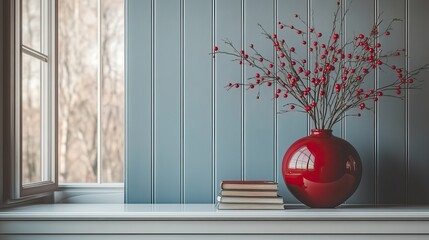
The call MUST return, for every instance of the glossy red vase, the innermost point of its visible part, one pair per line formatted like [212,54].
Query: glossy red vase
[322,170]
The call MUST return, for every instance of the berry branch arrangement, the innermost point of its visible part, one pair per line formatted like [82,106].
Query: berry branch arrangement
[333,81]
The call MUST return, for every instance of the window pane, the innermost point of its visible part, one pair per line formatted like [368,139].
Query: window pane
[77,100]
[112,108]
[31,119]
[31,23]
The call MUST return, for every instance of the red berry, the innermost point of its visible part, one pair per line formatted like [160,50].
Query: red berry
[299,32]
[315,44]
[261,59]
[380,94]
[379,62]
[292,49]
[336,36]
[322,93]
[276,96]
[271,65]
[257,81]
[274,36]
[410,80]
[241,62]
[307,109]
[229,84]
[311,30]
[257,75]
[292,27]
[375,99]
[303,61]
[269,84]
[387,33]
[292,107]
[293,63]
[285,95]
[268,72]
[281,27]
[295,15]
[251,45]
[282,64]
[393,67]
[361,36]
[215,48]
[365,95]
[304,42]
[319,34]
[282,55]
[236,85]
[364,70]
[349,55]
[398,91]
[313,104]
[252,86]
[378,45]
[362,106]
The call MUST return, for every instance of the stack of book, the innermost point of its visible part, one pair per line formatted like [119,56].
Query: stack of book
[249,195]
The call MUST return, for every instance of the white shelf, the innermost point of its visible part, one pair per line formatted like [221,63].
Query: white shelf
[186,220]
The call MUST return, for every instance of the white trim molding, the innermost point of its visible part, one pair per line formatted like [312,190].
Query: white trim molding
[187,221]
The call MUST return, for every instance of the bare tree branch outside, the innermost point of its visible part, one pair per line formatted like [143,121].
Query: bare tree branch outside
[78,56]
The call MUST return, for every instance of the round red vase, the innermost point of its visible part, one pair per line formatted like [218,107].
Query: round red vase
[322,170]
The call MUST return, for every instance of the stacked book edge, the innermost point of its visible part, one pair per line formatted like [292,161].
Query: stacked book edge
[237,195]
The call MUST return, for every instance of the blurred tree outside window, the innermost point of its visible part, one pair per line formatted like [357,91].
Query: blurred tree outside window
[90,91]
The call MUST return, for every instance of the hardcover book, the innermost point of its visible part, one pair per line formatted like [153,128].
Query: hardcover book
[248,185]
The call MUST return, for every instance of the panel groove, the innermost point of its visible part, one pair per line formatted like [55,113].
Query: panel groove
[243,149]
[182,103]
[376,125]
[152,132]
[213,99]
[275,131]
[183,190]
[407,112]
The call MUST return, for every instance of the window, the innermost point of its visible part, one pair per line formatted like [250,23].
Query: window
[35,95]
[67,95]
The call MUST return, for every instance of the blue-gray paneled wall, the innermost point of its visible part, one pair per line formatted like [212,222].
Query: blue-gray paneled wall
[186,132]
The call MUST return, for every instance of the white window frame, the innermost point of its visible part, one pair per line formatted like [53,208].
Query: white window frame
[48,105]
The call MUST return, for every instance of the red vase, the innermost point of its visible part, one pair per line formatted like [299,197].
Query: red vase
[322,170]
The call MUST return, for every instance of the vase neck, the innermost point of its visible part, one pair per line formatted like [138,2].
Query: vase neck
[321,132]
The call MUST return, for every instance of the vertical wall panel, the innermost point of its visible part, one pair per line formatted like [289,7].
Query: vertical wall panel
[391,112]
[360,130]
[259,113]
[291,126]
[228,103]
[418,104]
[167,101]
[198,101]
[174,79]
[138,102]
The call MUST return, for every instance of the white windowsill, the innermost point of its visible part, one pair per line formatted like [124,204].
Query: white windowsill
[205,219]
